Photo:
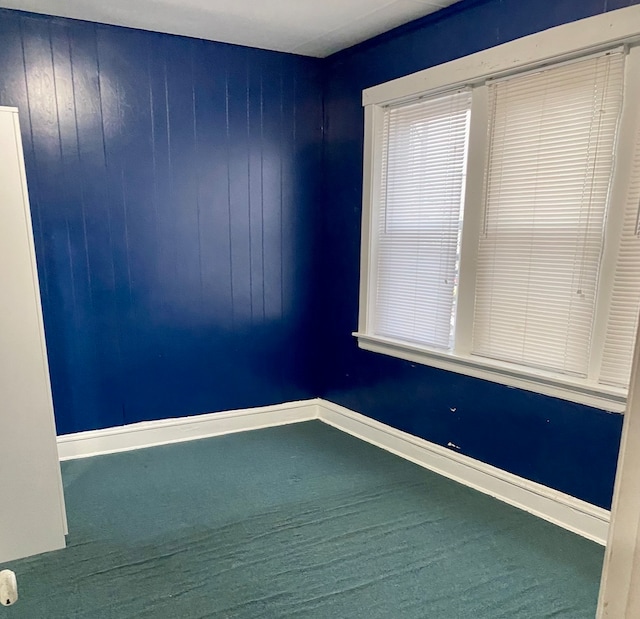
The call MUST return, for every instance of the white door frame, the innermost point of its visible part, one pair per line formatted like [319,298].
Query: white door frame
[32,514]
[620,586]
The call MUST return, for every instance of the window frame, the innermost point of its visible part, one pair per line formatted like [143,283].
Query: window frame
[563,43]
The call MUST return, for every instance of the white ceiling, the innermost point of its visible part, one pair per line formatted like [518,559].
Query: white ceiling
[309,27]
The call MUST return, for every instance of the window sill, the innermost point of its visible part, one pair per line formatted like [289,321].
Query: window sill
[565,387]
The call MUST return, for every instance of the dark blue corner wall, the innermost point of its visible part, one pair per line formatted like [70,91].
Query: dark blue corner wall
[562,445]
[174,191]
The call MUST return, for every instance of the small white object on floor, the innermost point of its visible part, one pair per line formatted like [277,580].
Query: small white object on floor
[8,588]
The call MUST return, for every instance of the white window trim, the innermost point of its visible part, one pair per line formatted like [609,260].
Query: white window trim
[568,388]
[550,46]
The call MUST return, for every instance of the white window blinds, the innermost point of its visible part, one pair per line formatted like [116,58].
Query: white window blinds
[416,240]
[549,163]
[625,301]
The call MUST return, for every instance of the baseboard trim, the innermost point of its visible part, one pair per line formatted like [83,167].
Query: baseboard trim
[180,429]
[561,509]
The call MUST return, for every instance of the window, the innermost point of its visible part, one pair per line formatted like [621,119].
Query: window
[550,160]
[500,216]
[419,223]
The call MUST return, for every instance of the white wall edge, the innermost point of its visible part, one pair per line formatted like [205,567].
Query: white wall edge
[554,506]
[180,429]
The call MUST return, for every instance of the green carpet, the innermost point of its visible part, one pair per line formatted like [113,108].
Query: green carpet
[296,521]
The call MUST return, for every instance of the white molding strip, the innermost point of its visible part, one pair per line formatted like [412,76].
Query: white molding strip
[564,41]
[557,507]
[561,509]
[612,399]
[180,429]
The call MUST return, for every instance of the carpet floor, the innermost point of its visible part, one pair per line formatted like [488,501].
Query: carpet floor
[296,521]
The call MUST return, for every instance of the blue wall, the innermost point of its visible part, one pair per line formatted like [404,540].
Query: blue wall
[174,193]
[193,259]
[566,446]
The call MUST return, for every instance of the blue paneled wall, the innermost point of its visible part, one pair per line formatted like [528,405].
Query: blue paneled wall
[174,188]
[197,252]
[566,446]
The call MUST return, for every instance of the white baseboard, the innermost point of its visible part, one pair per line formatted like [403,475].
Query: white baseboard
[180,429]
[561,509]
